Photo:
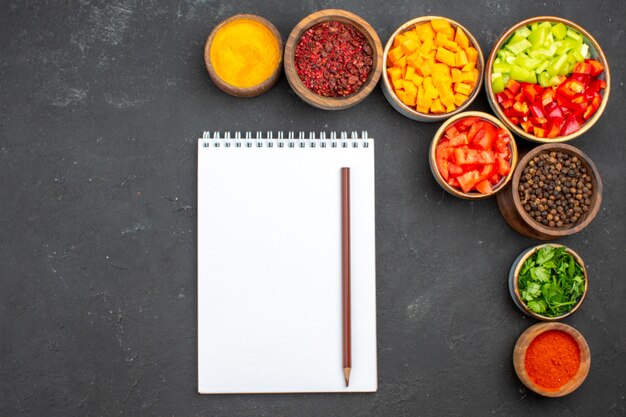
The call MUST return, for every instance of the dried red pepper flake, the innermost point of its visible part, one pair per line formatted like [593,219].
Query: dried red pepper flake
[333,59]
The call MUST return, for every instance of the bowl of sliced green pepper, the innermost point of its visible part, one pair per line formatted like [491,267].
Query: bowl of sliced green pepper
[548,282]
[547,79]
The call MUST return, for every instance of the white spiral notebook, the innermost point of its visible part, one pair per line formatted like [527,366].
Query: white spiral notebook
[269,263]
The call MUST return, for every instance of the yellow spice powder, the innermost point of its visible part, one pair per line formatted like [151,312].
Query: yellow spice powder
[244,53]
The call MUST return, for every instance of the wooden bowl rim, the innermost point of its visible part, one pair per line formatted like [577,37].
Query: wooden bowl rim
[254,90]
[430,116]
[326,15]
[591,41]
[439,134]
[519,356]
[532,223]
[527,254]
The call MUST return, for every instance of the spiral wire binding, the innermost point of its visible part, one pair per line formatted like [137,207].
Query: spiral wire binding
[270,140]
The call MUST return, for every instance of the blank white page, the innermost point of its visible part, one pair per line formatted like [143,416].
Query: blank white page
[269,266]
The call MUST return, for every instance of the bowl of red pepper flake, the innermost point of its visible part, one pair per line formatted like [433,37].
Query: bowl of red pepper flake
[552,359]
[548,79]
[333,59]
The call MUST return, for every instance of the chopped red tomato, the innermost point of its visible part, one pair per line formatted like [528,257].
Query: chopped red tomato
[468,180]
[484,187]
[503,166]
[472,153]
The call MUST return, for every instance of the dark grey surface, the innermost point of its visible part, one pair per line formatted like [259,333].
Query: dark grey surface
[100,107]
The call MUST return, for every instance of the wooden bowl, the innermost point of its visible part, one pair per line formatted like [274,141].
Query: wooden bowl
[514,281]
[410,112]
[514,214]
[241,91]
[332,103]
[440,133]
[596,53]
[519,356]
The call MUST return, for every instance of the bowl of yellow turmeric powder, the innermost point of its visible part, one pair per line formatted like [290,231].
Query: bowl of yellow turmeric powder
[243,55]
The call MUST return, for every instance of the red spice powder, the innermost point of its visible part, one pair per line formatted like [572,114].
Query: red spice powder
[552,359]
[333,59]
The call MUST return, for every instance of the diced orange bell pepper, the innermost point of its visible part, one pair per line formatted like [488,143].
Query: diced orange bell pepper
[397,41]
[441,39]
[445,56]
[452,46]
[462,88]
[394,73]
[443,26]
[456,75]
[472,55]
[461,59]
[459,99]
[411,34]
[395,54]
[461,38]
[409,46]
[437,107]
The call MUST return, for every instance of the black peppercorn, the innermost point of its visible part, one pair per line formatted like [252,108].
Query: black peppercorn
[555,189]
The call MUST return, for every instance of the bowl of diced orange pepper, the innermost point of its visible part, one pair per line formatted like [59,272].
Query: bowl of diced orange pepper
[432,68]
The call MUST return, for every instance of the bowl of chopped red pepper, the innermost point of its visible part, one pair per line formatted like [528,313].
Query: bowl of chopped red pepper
[547,79]
[473,155]
[333,59]
[432,68]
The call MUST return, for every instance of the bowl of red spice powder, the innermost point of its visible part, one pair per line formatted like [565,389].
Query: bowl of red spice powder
[552,359]
[333,59]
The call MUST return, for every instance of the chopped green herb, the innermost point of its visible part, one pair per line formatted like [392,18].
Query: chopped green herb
[551,282]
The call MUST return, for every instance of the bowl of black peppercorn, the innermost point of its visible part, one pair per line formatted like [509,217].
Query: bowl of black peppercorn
[555,191]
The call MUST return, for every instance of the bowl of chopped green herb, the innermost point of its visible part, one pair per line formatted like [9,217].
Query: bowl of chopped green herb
[548,282]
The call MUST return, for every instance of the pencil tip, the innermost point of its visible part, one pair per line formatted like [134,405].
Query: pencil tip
[346,374]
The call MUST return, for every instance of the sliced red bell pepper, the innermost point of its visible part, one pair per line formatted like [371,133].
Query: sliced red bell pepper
[571,125]
[547,97]
[575,85]
[513,86]
[537,111]
[565,91]
[520,108]
[540,132]
[554,126]
[530,91]
[527,125]
[582,68]
[596,67]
